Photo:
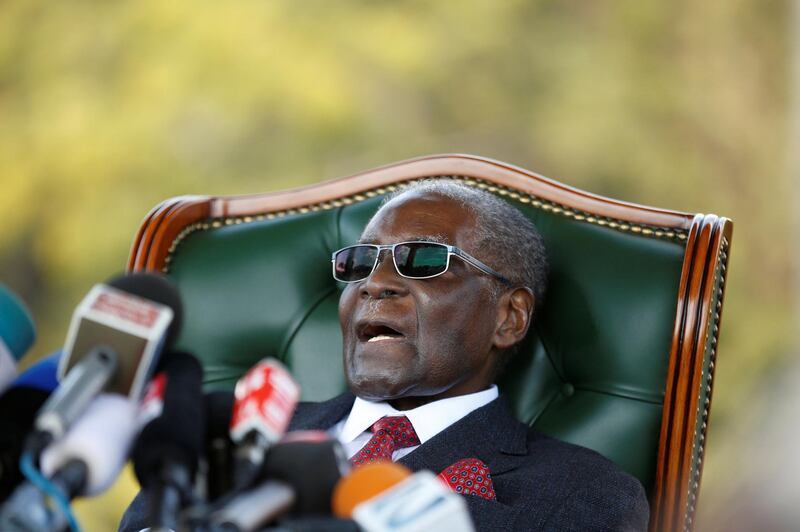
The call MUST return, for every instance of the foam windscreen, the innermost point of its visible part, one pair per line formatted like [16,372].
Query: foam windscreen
[177,436]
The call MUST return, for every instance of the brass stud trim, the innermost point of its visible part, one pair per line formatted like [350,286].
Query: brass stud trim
[525,198]
[701,428]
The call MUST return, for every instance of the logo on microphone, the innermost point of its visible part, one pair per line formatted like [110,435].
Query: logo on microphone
[265,400]
[153,402]
[127,307]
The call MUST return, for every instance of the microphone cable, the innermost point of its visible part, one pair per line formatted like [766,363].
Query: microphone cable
[49,489]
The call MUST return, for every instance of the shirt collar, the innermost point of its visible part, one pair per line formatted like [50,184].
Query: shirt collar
[428,420]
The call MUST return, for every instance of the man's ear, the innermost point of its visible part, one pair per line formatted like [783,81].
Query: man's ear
[514,313]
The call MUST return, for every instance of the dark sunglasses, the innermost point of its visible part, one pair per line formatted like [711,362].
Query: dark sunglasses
[412,260]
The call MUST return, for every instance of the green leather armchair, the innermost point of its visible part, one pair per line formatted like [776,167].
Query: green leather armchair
[620,358]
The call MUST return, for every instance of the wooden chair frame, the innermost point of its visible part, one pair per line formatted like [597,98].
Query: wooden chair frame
[693,351]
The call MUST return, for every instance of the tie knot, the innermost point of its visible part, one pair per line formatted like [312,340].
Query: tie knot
[398,428]
[389,434]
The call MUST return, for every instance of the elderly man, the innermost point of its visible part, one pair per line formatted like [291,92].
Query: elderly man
[439,291]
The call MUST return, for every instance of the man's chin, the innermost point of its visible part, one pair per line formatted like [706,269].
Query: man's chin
[372,388]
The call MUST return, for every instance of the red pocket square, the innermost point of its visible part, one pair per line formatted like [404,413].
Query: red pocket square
[469,476]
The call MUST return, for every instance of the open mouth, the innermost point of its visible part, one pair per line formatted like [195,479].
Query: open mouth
[378,333]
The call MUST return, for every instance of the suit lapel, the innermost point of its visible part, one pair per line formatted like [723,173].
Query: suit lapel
[322,416]
[490,433]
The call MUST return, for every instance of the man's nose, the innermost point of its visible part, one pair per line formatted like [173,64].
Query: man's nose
[384,281]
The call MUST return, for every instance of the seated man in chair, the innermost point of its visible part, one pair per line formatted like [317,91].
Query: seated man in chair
[440,290]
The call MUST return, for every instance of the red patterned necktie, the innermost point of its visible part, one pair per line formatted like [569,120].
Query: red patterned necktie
[388,435]
[469,476]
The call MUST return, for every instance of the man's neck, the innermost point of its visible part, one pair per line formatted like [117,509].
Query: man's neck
[409,403]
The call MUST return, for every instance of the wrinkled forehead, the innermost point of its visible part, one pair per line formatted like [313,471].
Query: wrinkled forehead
[418,215]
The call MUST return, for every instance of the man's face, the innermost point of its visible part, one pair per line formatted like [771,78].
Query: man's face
[417,340]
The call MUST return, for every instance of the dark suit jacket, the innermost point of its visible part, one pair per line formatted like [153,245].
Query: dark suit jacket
[541,483]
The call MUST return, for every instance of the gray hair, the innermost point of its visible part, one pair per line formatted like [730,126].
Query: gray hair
[506,239]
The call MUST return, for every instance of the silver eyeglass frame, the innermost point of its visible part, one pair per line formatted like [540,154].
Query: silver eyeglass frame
[451,251]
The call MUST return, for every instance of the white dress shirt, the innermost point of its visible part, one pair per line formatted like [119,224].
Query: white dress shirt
[428,420]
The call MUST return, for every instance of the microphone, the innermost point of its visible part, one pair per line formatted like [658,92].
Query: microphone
[292,460]
[101,439]
[364,483]
[167,452]
[266,397]
[250,510]
[18,407]
[417,504]
[302,473]
[264,401]
[218,445]
[86,461]
[17,334]
[314,524]
[114,339]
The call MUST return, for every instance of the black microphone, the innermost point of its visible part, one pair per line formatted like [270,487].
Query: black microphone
[218,446]
[300,478]
[291,462]
[250,510]
[18,407]
[115,337]
[168,450]
[314,524]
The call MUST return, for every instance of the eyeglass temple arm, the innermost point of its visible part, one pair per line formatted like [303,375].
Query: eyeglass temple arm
[478,264]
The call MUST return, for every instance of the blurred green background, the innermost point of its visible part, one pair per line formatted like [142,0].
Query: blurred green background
[107,108]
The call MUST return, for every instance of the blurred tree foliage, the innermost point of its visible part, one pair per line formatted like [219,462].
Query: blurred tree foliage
[106,108]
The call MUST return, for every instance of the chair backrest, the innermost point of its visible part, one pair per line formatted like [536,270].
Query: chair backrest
[621,357]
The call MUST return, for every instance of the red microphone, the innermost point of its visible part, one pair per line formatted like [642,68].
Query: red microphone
[265,399]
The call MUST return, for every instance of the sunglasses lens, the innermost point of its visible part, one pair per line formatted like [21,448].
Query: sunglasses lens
[354,263]
[420,259]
